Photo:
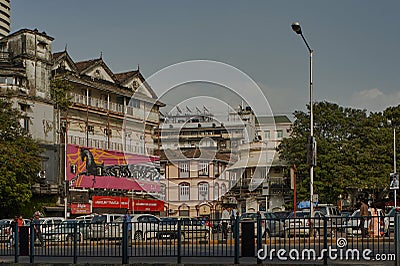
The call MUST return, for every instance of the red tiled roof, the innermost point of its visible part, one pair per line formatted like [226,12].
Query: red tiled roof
[121,77]
[82,65]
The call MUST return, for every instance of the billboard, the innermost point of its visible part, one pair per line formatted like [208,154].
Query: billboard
[104,169]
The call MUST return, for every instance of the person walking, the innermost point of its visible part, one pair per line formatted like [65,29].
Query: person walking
[13,231]
[128,219]
[363,218]
[373,227]
[225,220]
[37,229]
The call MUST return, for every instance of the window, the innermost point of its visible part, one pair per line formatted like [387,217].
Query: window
[184,191]
[163,191]
[279,134]
[26,123]
[216,191]
[203,191]
[223,189]
[184,169]
[203,168]
[267,135]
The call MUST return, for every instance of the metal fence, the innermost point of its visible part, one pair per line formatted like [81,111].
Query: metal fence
[320,240]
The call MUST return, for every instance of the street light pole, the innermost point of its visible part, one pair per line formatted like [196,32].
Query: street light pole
[297,28]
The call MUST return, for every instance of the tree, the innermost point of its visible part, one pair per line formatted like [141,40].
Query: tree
[353,151]
[20,161]
[59,90]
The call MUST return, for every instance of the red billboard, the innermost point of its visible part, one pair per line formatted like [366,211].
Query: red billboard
[97,168]
[115,202]
[111,202]
[80,208]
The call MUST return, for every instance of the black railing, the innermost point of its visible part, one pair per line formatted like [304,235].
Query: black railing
[318,239]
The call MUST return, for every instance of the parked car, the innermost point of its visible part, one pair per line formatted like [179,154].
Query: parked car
[65,231]
[304,225]
[106,226]
[49,223]
[353,222]
[390,218]
[270,223]
[191,228]
[5,230]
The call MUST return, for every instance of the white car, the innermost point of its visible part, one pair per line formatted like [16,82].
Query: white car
[352,225]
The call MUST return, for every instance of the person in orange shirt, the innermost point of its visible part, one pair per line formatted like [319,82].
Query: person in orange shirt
[20,222]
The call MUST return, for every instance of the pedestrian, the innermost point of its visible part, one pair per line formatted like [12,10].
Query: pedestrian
[128,219]
[363,218]
[225,218]
[13,230]
[20,222]
[373,226]
[37,229]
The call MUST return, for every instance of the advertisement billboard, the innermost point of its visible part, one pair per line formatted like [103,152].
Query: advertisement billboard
[104,169]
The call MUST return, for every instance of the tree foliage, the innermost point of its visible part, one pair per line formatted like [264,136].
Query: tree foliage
[59,90]
[19,161]
[354,150]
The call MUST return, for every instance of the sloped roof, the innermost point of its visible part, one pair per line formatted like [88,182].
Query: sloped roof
[121,77]
[83,65]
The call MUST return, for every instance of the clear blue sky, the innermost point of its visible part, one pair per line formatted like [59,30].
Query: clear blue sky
[356,43]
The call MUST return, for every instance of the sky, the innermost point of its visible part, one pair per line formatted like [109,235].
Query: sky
[356,56]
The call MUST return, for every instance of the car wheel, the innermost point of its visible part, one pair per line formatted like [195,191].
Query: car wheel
[138,236]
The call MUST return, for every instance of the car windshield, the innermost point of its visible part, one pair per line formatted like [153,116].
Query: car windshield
[249,216]
[169,221]
[299,215]
[99,219]
[321,209]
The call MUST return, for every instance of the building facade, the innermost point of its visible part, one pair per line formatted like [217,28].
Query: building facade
[4,18]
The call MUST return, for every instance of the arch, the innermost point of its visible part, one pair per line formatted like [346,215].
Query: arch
[203,190]
[184,191]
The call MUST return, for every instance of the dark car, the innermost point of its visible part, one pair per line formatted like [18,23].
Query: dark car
[282,215]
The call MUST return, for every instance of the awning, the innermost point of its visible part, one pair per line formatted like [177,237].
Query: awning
[249,163]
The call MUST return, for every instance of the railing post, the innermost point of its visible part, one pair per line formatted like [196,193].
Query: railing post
[179,242]
[325,240]
[32,243]
[237,238]
[125,242]
[259,236]
[76,242]
[16,242]
[397,237]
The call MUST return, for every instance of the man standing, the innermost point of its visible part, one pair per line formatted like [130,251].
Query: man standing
[363,218]
[225,219]
[36,227]
[128,219]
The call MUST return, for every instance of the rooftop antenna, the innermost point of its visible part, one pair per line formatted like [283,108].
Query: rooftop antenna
[65,49]
[138,67]
[101,55]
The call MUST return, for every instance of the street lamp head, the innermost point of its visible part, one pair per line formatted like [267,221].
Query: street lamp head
[296,27]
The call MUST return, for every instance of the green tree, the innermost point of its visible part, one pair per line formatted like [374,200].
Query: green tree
[353,151]
[59,90]
[19,161]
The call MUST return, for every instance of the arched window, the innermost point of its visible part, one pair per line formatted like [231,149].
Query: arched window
[184,191]
[216,191]
[203,191]
[223,189]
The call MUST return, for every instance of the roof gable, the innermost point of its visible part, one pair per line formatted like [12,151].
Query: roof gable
[96,69]
[62,60]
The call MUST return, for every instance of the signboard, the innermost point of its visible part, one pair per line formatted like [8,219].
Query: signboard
[80,208]
[204,210]
[98,168]
[148,205]
[394,180]
[111,202]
